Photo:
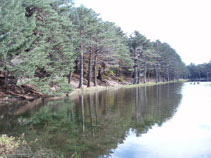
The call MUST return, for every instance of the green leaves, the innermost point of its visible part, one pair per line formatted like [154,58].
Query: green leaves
[40,38]
[156,54]
[50,35]
[15,31]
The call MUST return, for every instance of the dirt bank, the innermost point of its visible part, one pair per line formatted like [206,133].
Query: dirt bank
[29,92]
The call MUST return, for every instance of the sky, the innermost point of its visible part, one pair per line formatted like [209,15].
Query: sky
[184,24]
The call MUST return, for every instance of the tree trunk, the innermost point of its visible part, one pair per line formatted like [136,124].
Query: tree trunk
[6,78]
[70,75]
[76,66]
[167,75]
[118,72]
[90,69]
[139,71]
[148,76]
[164,78]
[95,70]
[145,73]
[100,73]
[199,75]
[207,77]
[156,75]
[135,80]
[81,69]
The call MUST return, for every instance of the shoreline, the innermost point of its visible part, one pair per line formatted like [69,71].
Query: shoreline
[30,104]
[87,90]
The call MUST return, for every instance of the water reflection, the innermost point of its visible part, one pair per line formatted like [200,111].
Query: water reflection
[96,125]
[186,135]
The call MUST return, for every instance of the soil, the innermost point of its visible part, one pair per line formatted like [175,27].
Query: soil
[29,92]
[24,92]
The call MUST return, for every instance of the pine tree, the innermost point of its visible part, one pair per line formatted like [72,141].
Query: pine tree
[52,51]
[138,44]
[16,31]
[85,22]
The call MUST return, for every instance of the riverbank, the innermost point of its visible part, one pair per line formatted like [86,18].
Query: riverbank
[85,90]
[8,98]
[103,113]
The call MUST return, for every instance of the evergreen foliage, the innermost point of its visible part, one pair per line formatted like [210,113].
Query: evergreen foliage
[16,32]
[43,42]
[200,71]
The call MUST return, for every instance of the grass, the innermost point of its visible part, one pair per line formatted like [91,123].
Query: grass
[151,84]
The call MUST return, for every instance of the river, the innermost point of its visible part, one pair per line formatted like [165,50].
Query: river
[163,121]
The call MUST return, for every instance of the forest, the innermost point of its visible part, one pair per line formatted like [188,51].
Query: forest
[47,43]
[200,71]
[49,48]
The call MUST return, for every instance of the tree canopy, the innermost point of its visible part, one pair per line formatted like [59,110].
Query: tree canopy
[200,71]
[43,43]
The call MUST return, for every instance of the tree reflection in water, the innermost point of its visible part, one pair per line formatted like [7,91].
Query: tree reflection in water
[94,124]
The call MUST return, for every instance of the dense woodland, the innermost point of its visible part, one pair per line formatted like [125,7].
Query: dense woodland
[45,42]
[200,71]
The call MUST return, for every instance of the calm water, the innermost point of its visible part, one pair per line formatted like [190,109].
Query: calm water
[165,121]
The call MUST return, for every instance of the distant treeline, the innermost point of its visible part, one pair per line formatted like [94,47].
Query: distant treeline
[200,71]
[43,42]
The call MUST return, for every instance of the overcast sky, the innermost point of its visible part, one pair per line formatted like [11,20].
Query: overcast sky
[184,24]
